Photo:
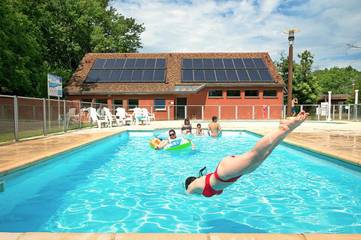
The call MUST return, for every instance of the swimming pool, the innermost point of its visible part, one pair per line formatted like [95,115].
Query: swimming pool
[119,184]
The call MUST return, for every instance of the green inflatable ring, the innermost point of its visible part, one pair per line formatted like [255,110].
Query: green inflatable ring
[180,146]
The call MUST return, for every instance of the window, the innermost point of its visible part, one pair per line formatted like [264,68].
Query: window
[269,93]
[133,103]
[251,93]
[118,102]
[159,104]
[234,93]
[103,101]
[215,94]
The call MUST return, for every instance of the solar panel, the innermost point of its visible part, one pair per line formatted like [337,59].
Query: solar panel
[248,62]
[209,76]
[158,75]
[160,64]
[259,63]
[148,75]
[139,64]
[238,63]
[198,64]
[218,63]
[187,75]
[208,63]
[198,75]
[119,64]
[126,76]
[221,76]
[98,64]
[137,75]
[231,76]
[127,70]
[115,75]
[228,63]
[253,75]
[187,64]
[149,64]
[242,75]
[109,64]
[129,63]
[265,75]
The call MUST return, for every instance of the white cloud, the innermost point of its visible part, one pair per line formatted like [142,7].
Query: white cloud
[248,26]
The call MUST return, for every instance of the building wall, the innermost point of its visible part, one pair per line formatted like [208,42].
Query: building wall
[224,107]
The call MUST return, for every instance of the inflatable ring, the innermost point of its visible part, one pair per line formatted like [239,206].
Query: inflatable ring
[183,145]
[154,142]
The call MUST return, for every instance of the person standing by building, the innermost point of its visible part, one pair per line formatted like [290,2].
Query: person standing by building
[293,104]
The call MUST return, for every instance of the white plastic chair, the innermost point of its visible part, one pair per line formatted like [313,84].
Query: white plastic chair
[109,117]
[95,117]
[146,115]
[138,116]
[122,116]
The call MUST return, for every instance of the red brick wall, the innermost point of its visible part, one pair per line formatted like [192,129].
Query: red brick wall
[227,105]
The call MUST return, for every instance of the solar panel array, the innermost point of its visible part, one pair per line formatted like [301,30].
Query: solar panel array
[225,70]
[127,70]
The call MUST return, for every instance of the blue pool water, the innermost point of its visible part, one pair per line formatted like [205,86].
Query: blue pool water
[121,185]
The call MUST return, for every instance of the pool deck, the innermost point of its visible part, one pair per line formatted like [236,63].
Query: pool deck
[341,140]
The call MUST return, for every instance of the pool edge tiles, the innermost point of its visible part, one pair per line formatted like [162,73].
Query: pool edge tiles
[325,155]
[151,236]
[49,155]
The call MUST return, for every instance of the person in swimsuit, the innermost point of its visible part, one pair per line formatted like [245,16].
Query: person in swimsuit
[187,127]
[199,130]
[214,129]
[233,167]
[163,143]
[293,106]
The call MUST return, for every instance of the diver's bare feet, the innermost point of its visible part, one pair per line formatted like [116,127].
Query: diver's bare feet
[293,122]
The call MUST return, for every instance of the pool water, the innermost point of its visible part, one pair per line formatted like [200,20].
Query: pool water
[120,184]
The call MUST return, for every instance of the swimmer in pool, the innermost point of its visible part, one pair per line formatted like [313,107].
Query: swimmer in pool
[233,167]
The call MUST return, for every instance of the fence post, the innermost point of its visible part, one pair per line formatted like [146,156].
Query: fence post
[16,119]
[185,111]
[168,112]
[111,123]
[348,112]
[202,112]
[219,112]
[236,111]
[151,109]
[253,112]
[333,112]
[44,117]
[340,112]
[319,112]
[64,116]
[268,112]
[284,112]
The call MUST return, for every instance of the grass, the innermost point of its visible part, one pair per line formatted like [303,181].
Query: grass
[9,136]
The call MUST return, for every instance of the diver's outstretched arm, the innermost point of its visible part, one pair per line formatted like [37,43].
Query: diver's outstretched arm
[248,162]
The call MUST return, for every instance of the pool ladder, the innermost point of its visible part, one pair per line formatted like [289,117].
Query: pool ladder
[2,186]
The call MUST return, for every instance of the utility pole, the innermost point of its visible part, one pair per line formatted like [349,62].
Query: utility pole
[291,38]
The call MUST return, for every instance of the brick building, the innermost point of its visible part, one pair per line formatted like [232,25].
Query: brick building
[178,85]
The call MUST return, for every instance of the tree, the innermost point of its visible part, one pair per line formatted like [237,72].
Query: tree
[44,36]
[304,86]
[21,64]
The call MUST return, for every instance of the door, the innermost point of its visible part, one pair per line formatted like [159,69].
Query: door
[180,111]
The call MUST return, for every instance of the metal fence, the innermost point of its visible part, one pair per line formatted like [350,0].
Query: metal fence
[23,117]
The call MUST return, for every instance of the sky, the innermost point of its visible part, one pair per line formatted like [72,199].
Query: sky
[325,27]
